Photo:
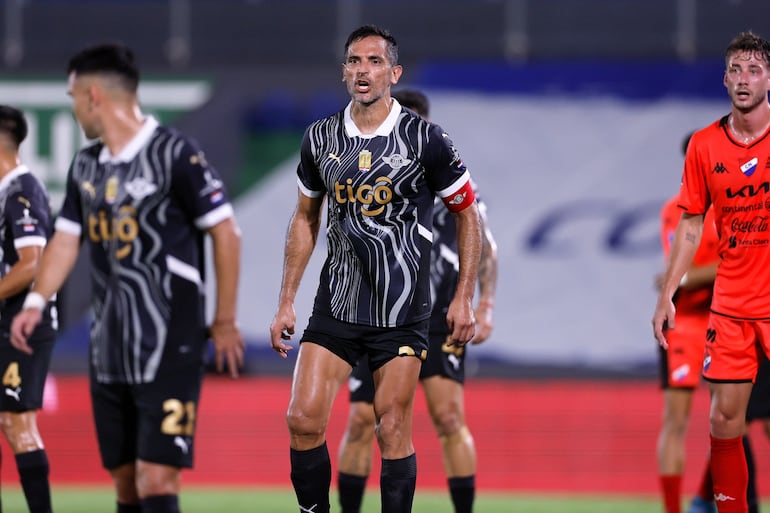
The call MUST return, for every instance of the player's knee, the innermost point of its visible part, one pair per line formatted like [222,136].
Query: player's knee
[461,436]
[303,425]
[448,421]
[153,479]
[393,429]
[20,430]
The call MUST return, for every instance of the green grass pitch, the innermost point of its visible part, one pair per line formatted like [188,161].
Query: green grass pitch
[77,499]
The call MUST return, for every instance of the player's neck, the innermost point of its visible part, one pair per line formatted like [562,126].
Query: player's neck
[121,127]
[748,126]
[368,118]
[8,162]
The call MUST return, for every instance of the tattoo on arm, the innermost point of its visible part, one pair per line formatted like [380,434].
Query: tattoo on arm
[690,237]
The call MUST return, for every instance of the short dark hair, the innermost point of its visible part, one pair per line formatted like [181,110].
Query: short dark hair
[414,100]
[373,30]
[112,58]
[12,122]
[748,42]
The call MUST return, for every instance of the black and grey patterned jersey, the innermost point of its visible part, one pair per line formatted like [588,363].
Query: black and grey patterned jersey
[25,220]
[143,215]
[380,190]
[444,263]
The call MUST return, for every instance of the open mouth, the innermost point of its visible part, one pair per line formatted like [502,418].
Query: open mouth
[362,86]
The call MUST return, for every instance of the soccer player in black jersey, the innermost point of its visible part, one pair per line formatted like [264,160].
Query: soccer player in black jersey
[142,197]
[25,227]
[378,166]
[442,374]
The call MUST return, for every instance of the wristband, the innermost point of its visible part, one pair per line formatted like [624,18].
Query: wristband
[34,300]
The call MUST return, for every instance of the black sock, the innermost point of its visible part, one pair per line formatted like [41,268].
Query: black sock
[351,489]
[311,475]
[397,483]
[129,508]
[751,490]
[160,504]
[33,472]
[462,491]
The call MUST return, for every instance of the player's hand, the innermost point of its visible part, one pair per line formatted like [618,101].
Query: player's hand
[663,317]
[228,346]
[461,321]
[282,328]
[484,323]
[22,327]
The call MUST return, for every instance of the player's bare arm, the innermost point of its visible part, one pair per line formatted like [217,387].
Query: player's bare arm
[225,333]
[686,240]
[460,317]
[300,241]
[487,282]
[56,263]
[22,273]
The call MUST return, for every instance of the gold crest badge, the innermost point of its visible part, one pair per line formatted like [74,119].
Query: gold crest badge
[364,161]
[111,190]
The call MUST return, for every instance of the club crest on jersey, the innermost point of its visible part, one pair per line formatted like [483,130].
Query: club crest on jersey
[749,167]
[111,190]
[396,161]
[364,161]
[140,188]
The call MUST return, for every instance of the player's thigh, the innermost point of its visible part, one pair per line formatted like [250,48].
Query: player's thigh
[444,359]
[318,376]
[167,414]
[395,386]
[24,375]
[444,397]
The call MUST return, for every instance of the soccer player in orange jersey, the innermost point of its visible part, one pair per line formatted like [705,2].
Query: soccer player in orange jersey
[728,166]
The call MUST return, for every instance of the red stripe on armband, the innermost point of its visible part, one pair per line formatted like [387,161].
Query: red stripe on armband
[461,199]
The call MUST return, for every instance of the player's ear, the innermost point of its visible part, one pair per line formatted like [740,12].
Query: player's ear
[396,73]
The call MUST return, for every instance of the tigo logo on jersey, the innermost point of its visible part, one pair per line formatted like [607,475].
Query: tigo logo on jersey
[379,194]
[749,167]
[364,161]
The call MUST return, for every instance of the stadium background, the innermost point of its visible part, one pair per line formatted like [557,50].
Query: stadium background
[570,115]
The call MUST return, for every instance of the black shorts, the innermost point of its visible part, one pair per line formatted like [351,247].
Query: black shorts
[443,360]
[154,422]
[759,401]
[380,345]
[24,374]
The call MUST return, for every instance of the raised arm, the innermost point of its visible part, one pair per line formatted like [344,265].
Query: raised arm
[300,241]
[460,316]
[686,241]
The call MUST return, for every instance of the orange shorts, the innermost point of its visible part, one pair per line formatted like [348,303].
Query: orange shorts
[733,348]
[682,362]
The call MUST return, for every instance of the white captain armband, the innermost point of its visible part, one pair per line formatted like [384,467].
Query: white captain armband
[34,300]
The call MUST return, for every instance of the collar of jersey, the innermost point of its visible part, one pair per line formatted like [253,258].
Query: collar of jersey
[141,138]
[12,174]
[383,130]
